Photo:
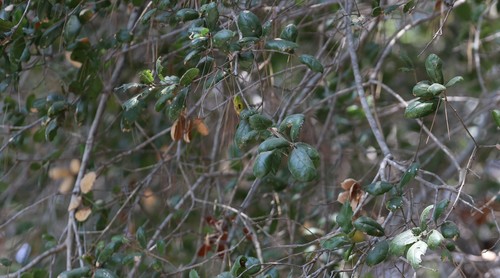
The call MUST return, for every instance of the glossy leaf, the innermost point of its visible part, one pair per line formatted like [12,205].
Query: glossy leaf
[294,124]
[378,253]
[289,33]
[51,34]
[415,253]
[259,122]
[344,218]
[51,130]
[263,164]
[187,14]
[249,24]
[273,143]
[104,273]
[409,174]
[421,108]
[140,235]
[221,38]
[399,243]
[450,230]
[436,89]
[378,188]
[369,226]
[311,152]
[188,77]
[76,273]
[336,242]
[281,46]
[301,166]
[394,203]
[211,15]
[178,104]
[454,81]
[496,116]
[72,28]
[244,135]
[434,68]
[440,207]
[311,62]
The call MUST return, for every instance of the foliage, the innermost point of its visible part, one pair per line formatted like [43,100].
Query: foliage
[248,138]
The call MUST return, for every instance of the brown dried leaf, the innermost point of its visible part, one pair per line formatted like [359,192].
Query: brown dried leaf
[57,173]
[75,202]
[353,192]
[66,185]
[177,129]
[200,126]
[74,166]
[348,183]
[87,182]
[187,132]
[82,214]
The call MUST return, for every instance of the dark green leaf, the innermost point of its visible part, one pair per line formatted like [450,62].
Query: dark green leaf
[394,203]
[454,81]
[409,6]
[415,253]
[211,15]
[390,9]
[420,89]
[273,143]
[178,104]
[311,152]
[5,262]
[440,207]
[76,273]
[244,135]
[421,108]
[141,237]
[294,124]
[222,38]
[335,242]
[378,188]
[72,28]
[281,46]
[259,122]
[436,89]
[104,273]
[434,68]
[369,226]
[301,166]
[378,253]
[187,14]
[225,274]
[127,86]
[51,34]
[124,36]
[249,24]
[450,230]
[188,77]
[289,33]
[344,218]
[409,174]
[400,242]
[263,164]
[51,130]
[311,62]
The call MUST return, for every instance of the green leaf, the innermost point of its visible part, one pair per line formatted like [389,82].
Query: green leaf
[424,217]
[244,135]
[128,86]
[399,243]
[178,104]
[225,274]
[281,46]
[394,203]
[187,14]
[421,108]
[335,242]
[454,81]
[289,33]
[141,237]
[311,152]
[434,239]
[378,253]
[409,6]
[263,164]
[409,174]
[434,68]
[51,34]
[222,38]
[259,122]
[495,113]
[56,108]
[450,230]
[5,262]
[76,273]
[273,143]
[415,253]
[294,124]
[124,36]
[436,89]
[378,188]
[146,77]
[166,95]
[72,28]
[51,130]
[344,218]
[249,24]
[301,166]
[211,15]
[311,62]
[440,207]
[193,274]
[420,89]
[104,273]
[369,226]
[188,77]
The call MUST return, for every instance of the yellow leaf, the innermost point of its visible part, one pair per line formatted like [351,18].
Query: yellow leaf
[74,203]
[57,173]
[74,166]
[66,185]
[82,214]
[238,104]
[87,182]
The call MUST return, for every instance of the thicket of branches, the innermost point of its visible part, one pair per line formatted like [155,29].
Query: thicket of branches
[249,138]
